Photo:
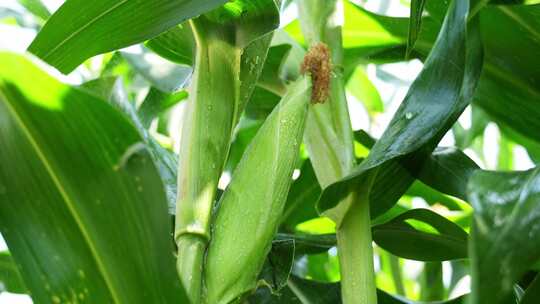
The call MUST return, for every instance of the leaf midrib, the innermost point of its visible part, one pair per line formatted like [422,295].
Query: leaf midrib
[82,28]
[63,193]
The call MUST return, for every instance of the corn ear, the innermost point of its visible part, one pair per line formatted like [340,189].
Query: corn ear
[251,206]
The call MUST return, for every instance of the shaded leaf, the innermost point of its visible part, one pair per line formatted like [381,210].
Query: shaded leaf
[302,197]
[437,239]
[278,265]
[415,23]
[505,233]
[511,71]
[326,293]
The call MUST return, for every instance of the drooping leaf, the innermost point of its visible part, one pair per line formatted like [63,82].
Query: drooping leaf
[10,277]
[449,76]
[510,73]
[81,29]
[505,233]
[436,239]
[446,170]
[79,196]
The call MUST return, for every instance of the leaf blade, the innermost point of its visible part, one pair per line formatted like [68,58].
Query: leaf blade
[75,223]
[82,29]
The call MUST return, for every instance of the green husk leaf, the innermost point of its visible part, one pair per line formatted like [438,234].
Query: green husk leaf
[264,176]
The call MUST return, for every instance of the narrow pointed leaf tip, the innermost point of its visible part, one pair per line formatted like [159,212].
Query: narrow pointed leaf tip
[317,64]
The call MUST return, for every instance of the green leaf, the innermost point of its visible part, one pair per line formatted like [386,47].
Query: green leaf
[156,102]
[361,87]
[415,23]
[446,170]
[505,235]
[176,45]
[302,197]
[81,29]
[511,71]
[10,277]
[308,243]
[37,8]
[311,292]
[274,65]
[246,20]
[111,90]
[279,264]
[82,206]
[261,104]
[264,175]
[449,76]
[434,238]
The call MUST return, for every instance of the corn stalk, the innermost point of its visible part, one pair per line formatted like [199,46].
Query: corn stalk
[228,61]
[329,141]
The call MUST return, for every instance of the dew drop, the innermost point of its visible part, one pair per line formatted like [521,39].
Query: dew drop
[409,115]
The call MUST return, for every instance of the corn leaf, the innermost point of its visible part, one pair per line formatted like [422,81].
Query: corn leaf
[79,195]
[10,277]
[505,234]
[435,239]
[80,29]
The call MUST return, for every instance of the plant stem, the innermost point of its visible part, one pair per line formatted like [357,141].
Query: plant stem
[356,254]
[208,125]
[329,141]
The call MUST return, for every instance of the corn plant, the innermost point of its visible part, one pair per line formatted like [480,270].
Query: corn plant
[208,151]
